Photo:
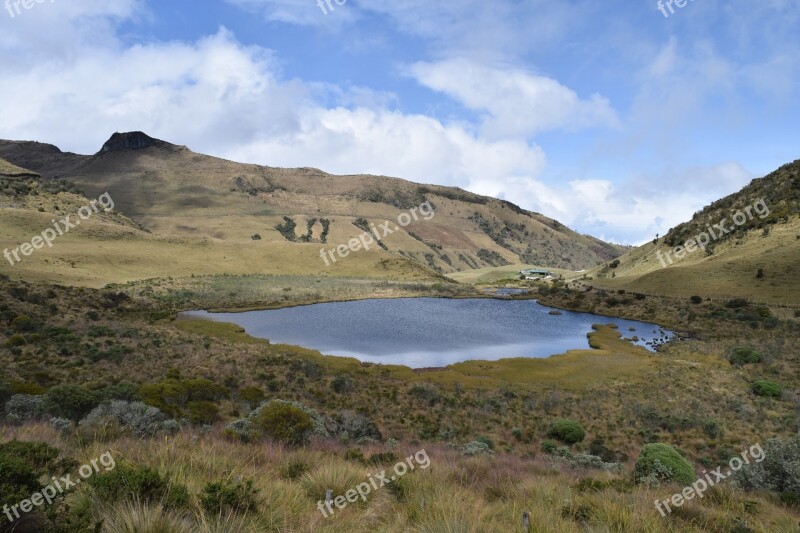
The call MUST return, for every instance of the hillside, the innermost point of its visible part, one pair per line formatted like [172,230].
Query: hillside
[755,257]
[173,191]
[7,170]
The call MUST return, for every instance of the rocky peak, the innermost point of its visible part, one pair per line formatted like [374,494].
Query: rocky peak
[134,140]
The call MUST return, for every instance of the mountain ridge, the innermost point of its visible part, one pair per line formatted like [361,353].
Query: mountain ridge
[173,190]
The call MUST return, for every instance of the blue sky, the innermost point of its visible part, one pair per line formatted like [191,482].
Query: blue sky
[608,116]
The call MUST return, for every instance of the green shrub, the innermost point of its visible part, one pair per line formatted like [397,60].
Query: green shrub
[659,463]
[489,442]
[225,497]
[284,423]
[22,387]
[5,392]
[549,446]
[251,396]
[201,413]
[696,300]
[767,389]
[22,466]
[132,482]
[744,356]
[342,384]
[567,431]
[737,303]
[16,340]
[70,401]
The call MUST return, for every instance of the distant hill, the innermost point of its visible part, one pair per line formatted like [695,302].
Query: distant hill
[757,256]
[173,191]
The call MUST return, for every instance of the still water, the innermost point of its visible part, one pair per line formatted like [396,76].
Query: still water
[431,332]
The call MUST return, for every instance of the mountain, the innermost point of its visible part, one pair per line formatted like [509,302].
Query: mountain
[747,245]
[172,190]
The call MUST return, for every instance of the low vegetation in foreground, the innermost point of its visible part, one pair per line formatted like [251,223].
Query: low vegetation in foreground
[212,430]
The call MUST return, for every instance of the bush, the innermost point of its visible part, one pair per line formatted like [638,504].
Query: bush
[5,392]
[136,418]
[60,424]
[201,413]
[767,389]
[567,431]
[241,430]
[342,384]
[549,446]
[319,428]
[224,497]
[582,460]
[348,426]
[486,440]
[24,408]
[744,356]
[778,471]
[22,466]
[70,401]
[736,303]
[659,463]
[284,423]
[476,448]
[252,396]
[132,482]
[696,300]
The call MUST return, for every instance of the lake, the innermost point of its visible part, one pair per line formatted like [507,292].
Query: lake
[431,332]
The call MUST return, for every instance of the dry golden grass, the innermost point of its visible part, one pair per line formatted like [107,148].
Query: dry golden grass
[730,272]
[456,494]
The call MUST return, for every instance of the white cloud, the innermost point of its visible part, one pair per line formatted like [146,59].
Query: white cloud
[318,13]
[516,103]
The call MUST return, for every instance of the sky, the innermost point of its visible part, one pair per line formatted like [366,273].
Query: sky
[609,116]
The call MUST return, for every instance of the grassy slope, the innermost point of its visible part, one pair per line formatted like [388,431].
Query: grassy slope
[7,169]
[172,190]
[110,248]
[767,241]
[729,272]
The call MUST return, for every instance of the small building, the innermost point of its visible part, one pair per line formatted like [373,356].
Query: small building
[537,273]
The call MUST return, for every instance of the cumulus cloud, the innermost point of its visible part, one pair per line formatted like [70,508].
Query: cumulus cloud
[516,103]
